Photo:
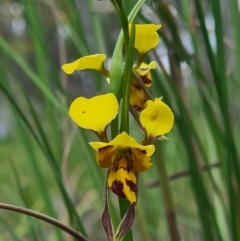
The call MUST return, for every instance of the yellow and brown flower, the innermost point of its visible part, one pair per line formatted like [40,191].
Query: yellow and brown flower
[124,156]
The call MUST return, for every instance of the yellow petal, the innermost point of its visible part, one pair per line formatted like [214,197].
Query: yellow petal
[94,113]
[123,181]
[157,118]
[105,156]
[141,162]
[124,139]
[94,61]
[144,72]
[146,37]
[98,145]
[145,68]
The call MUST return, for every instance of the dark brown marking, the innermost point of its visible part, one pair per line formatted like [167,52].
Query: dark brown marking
[132,185]
[104,148]
[143,151]
[145,80]
[117,188]
[122,168]
[137,86]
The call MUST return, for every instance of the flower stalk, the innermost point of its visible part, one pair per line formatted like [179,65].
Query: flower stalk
[121,10]
[127,82]
[127,77]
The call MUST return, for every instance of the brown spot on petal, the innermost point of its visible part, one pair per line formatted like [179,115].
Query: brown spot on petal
[121,168]
[104,148]
[143,151]
[132,185]
[146,80]
[136,85]
[143,69]
[117,188]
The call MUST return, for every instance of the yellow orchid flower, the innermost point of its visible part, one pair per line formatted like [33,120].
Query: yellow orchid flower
[157,119]
[94,113]
[144,72]
[124,156]
[138,98]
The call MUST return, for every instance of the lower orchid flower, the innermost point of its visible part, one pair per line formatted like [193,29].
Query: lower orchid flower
[124,156]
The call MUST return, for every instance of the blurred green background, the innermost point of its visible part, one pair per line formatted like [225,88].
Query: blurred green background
[46,163]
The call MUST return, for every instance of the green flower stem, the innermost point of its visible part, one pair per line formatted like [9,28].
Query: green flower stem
[116,70]
[124,204]
[45,218]
[167,199]
[116,76]
[127,82]
[121,10]
[124,21]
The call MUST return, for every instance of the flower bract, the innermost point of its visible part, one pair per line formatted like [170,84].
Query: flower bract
[157,118]
[94,113]
[124,156]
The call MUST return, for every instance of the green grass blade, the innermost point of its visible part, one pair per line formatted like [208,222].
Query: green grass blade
[32,76]
[235,19]
[31,223]
[52,162]
[204,206]
[39,177]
